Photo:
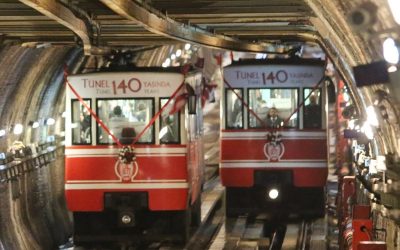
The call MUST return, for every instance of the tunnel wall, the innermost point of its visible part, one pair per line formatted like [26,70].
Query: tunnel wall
[33,214]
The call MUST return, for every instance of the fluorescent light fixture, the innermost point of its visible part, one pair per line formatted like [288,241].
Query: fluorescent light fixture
[50,122]
[18,128]
[261,56]
[390,51]
[380,163]
[35,124]
[371,116]
[392,69]
[395,9]
[166,63]
[367,130]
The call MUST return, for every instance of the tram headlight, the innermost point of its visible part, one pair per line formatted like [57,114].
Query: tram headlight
[127,219]
[273,193]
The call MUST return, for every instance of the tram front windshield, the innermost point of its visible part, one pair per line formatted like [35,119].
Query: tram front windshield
[283,100]
[125,118]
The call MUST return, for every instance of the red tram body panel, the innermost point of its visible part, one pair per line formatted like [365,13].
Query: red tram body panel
[160,171]
[303,153]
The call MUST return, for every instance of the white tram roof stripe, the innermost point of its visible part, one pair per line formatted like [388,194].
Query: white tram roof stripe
[115,155]
[267,164]
[133,181]
[284,134]
[93,186]
[110,151]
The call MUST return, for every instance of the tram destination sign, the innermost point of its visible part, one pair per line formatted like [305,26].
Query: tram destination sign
[273,75]
[140,84]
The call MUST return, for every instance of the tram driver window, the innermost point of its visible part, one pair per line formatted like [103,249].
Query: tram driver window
[283,101]
[81,123]
[234,108]
[125,118]
[312,108]
[169,125]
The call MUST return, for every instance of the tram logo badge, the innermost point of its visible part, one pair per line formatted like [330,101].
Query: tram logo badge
[126,171]
[273,151]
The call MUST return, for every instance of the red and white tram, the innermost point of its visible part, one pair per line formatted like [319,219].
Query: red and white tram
[114,199]
[275,168]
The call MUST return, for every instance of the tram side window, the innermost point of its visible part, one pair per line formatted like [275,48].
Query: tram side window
[312,108]
[273,107]
[234,108]
[169,126]
[125,118]
[81,123]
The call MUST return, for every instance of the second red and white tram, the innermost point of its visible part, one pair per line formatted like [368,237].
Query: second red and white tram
[273,137]
[159,187]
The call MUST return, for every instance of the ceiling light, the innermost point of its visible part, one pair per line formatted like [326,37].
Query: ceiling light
[35,124]
[187,46]
[395,8]
[371,116]
[167,62]
[2,132]
[367,130]
[392,69]
[178,53]
[50,122]
[390,51]
[18,128]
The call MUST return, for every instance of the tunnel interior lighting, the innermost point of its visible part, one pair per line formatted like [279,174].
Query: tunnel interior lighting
[392,69]
[371,116]
[2,132]
[372,166]
[380,163]
[178,53]
[390,51]
[18,128]
[50,121]
[261,56]
[367,130]
[187,46]
[166,63]
[395,9]
[35,124]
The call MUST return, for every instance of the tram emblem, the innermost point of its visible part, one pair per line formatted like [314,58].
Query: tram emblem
[126,171]
[274,148]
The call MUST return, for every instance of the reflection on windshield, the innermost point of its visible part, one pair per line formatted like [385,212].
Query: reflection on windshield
[169,126]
